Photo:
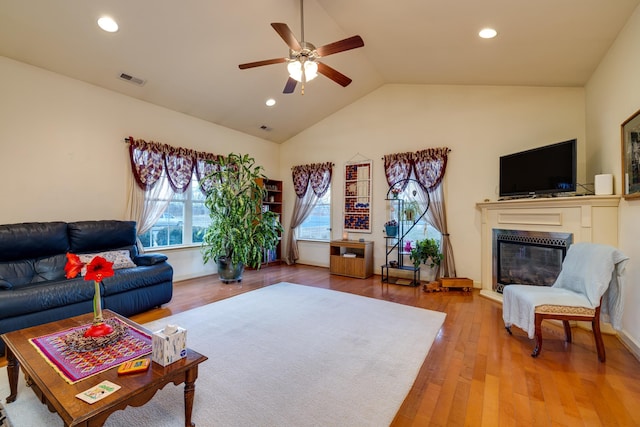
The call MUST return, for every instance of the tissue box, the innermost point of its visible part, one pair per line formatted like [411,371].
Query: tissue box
[169,347]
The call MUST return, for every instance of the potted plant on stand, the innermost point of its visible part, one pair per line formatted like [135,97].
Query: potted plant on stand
[391,228]
[240,231]
[427,252]
[411,211]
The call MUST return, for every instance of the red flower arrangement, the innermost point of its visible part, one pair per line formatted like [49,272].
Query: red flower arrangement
[97,269]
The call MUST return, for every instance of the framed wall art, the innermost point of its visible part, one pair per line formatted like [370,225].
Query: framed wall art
[357,197]
[630,130]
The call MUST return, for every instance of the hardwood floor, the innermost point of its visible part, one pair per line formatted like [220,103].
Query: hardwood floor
[475,373]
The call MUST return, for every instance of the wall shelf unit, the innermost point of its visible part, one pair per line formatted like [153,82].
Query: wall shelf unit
[273,202]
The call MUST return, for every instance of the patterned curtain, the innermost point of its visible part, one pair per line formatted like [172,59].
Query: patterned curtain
[316,176]
[397,167]
[179,163]
[204,166]
[300,175]
[151,196]
[320,178]
[149,159]
[429,166]
[147,162]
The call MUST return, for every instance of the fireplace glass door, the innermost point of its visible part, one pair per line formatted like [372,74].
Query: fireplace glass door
[528,258]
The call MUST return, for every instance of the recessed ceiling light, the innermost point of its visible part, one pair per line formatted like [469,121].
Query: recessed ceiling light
[488,33]
[108,24]
[270,102]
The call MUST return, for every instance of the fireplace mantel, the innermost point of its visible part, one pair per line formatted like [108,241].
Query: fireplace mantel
[588,218]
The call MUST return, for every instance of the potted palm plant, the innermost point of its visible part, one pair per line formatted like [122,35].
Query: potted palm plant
[240,231]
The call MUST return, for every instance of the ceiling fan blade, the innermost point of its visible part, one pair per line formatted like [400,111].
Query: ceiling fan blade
[261,63]
[287,35]
[333,74]
[340,46]
[290,86]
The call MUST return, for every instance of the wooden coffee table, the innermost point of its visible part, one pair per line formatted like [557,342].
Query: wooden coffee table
[59,396]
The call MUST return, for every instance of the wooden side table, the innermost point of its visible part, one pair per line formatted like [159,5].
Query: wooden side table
[351,258]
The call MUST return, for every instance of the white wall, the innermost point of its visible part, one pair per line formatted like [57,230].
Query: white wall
[479,123]
[63,156]
[612,95]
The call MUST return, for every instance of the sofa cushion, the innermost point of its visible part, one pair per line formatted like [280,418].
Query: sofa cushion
[5,285]
[133,278]
[17,272]
[120,259]
[96,236]
[32,240]
[49,268]
[36,297]
[24,272]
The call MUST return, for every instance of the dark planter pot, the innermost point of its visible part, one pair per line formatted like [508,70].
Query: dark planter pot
[391,230]
[229,272]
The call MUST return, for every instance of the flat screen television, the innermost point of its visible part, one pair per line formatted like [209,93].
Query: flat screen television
[545,170]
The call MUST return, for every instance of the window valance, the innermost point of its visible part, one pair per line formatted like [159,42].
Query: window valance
[318,174]
[149,159]
[428,165]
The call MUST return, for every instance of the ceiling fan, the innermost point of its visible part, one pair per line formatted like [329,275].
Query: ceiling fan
[302,62]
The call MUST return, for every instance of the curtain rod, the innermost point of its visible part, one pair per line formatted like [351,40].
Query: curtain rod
[411,152]
[318,163]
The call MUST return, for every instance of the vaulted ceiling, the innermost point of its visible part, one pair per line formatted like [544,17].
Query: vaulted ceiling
[188,51]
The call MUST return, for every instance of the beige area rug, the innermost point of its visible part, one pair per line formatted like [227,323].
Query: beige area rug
[4,422]
[283,355]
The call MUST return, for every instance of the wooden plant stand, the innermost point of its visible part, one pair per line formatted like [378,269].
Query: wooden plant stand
[444,284]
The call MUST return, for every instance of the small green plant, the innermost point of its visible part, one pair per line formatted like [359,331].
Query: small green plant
[411,211]
[426,252]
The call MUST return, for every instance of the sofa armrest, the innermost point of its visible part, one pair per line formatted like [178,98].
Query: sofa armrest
[149,259]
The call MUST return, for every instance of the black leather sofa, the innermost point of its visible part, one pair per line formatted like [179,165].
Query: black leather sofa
[33,286]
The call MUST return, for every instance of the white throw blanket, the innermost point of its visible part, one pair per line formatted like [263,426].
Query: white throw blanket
[589,271]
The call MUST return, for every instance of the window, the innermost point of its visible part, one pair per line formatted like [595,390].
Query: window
[183,223]
[422,229]
[317,226]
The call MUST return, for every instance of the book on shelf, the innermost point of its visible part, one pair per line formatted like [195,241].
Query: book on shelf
[269,255]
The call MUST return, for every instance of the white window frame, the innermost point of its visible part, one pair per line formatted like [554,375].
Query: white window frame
[187,219]
[327,206]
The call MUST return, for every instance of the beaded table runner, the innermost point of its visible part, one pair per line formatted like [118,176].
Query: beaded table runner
[75,366]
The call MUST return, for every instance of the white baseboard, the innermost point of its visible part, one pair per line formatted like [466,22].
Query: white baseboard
[630,343]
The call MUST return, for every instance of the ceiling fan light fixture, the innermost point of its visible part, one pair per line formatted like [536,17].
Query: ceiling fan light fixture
[295,70]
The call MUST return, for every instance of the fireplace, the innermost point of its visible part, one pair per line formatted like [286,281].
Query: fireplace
[527,257]
[585,219]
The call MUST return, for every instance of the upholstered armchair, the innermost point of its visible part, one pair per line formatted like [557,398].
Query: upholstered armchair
[588,288]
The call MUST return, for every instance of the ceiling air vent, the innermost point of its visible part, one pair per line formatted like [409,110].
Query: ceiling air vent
[131,79]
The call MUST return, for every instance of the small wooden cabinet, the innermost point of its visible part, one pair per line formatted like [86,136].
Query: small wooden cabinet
[351,258]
